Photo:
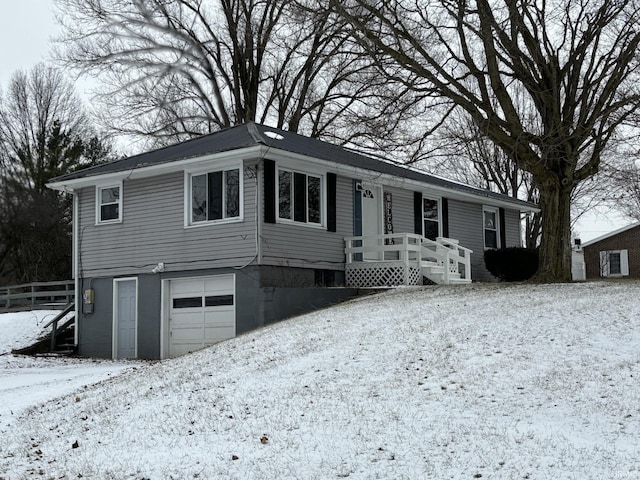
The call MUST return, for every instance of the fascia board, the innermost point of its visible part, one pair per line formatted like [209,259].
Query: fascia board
[262,151]
[153,170]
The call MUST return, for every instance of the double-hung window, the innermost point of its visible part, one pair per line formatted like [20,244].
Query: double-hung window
[431,218]
[215,196]
[614,263]
[109,204]
[491,221]
[299,197]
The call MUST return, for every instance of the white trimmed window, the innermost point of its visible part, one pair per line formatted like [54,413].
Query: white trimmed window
[430,218]
[614,263]
[300,197]
[214,196]
[109,204]
[491,226]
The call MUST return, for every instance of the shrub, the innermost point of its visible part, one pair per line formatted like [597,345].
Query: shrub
[513,264]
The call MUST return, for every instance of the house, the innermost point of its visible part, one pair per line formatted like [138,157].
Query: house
[183,246]
[614,255]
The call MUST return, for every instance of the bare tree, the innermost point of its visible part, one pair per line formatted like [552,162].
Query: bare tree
[173,70]
[626,189]
[576,61]
[470,157]
[43,133]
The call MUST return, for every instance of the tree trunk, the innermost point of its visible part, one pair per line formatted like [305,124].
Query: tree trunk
[555,246]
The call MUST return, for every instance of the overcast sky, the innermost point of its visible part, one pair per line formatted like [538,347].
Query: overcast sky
[28,26]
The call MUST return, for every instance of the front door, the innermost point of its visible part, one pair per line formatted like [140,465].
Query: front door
[125,321]
[371,218]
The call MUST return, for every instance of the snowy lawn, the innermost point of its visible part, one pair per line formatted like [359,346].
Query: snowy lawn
[479,381]
[21,329]
[28,381]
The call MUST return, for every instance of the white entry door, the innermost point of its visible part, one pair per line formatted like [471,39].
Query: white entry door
[202,311]
[125,321]
[371,217]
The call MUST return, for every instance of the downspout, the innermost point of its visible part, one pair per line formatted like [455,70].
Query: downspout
[75,228]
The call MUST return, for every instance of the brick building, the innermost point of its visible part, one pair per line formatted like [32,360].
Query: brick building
[614,255]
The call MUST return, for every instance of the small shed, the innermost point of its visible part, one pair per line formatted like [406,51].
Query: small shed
[614,255]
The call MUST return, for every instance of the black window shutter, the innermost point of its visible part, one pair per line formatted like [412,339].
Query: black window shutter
[444,204]
[215,195]
[503,233]
[269,191]
[417,212]
[357,207]
[331,202]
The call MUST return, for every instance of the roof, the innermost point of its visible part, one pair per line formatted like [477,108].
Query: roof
[252,134]
[611,234]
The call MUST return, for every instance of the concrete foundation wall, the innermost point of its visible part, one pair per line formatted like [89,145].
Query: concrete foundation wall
[264,295]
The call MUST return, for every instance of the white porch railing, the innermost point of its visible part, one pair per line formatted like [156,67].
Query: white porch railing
[403,259]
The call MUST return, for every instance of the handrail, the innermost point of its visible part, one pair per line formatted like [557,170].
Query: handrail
[401,243]
[411,248]
[71,307]
[61,315]
[449,254]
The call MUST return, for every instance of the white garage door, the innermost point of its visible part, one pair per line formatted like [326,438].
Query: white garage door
[202,312]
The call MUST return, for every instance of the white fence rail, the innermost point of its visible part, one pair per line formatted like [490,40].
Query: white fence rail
[37,294]
[403,259]
[445,252]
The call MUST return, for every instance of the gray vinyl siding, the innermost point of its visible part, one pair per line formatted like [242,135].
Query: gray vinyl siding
[513,235]
[153,231]
[401,210]
[465,225]
[298,245]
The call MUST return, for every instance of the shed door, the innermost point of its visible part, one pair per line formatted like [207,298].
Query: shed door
[201,312]
[125,319]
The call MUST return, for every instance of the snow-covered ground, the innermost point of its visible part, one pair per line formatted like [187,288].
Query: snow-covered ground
[21,329]
[478,381]
[29,381]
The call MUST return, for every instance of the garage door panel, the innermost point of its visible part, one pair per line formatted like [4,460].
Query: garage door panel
[221,283]
[186,318]
[186,334]
[186,287]
[202,312]
[182,349]
[217,334]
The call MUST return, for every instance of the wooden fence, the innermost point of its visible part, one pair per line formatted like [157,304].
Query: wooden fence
[37,295]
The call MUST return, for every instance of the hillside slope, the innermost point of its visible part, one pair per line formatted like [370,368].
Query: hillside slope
[480,381]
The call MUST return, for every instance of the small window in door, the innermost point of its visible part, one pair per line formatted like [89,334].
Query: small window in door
[188,302]
[218,300]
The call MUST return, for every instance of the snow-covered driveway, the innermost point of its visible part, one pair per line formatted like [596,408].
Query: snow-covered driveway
[27,381]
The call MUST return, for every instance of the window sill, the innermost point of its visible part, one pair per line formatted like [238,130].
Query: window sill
[109,222]
[214,222]
[301,224]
